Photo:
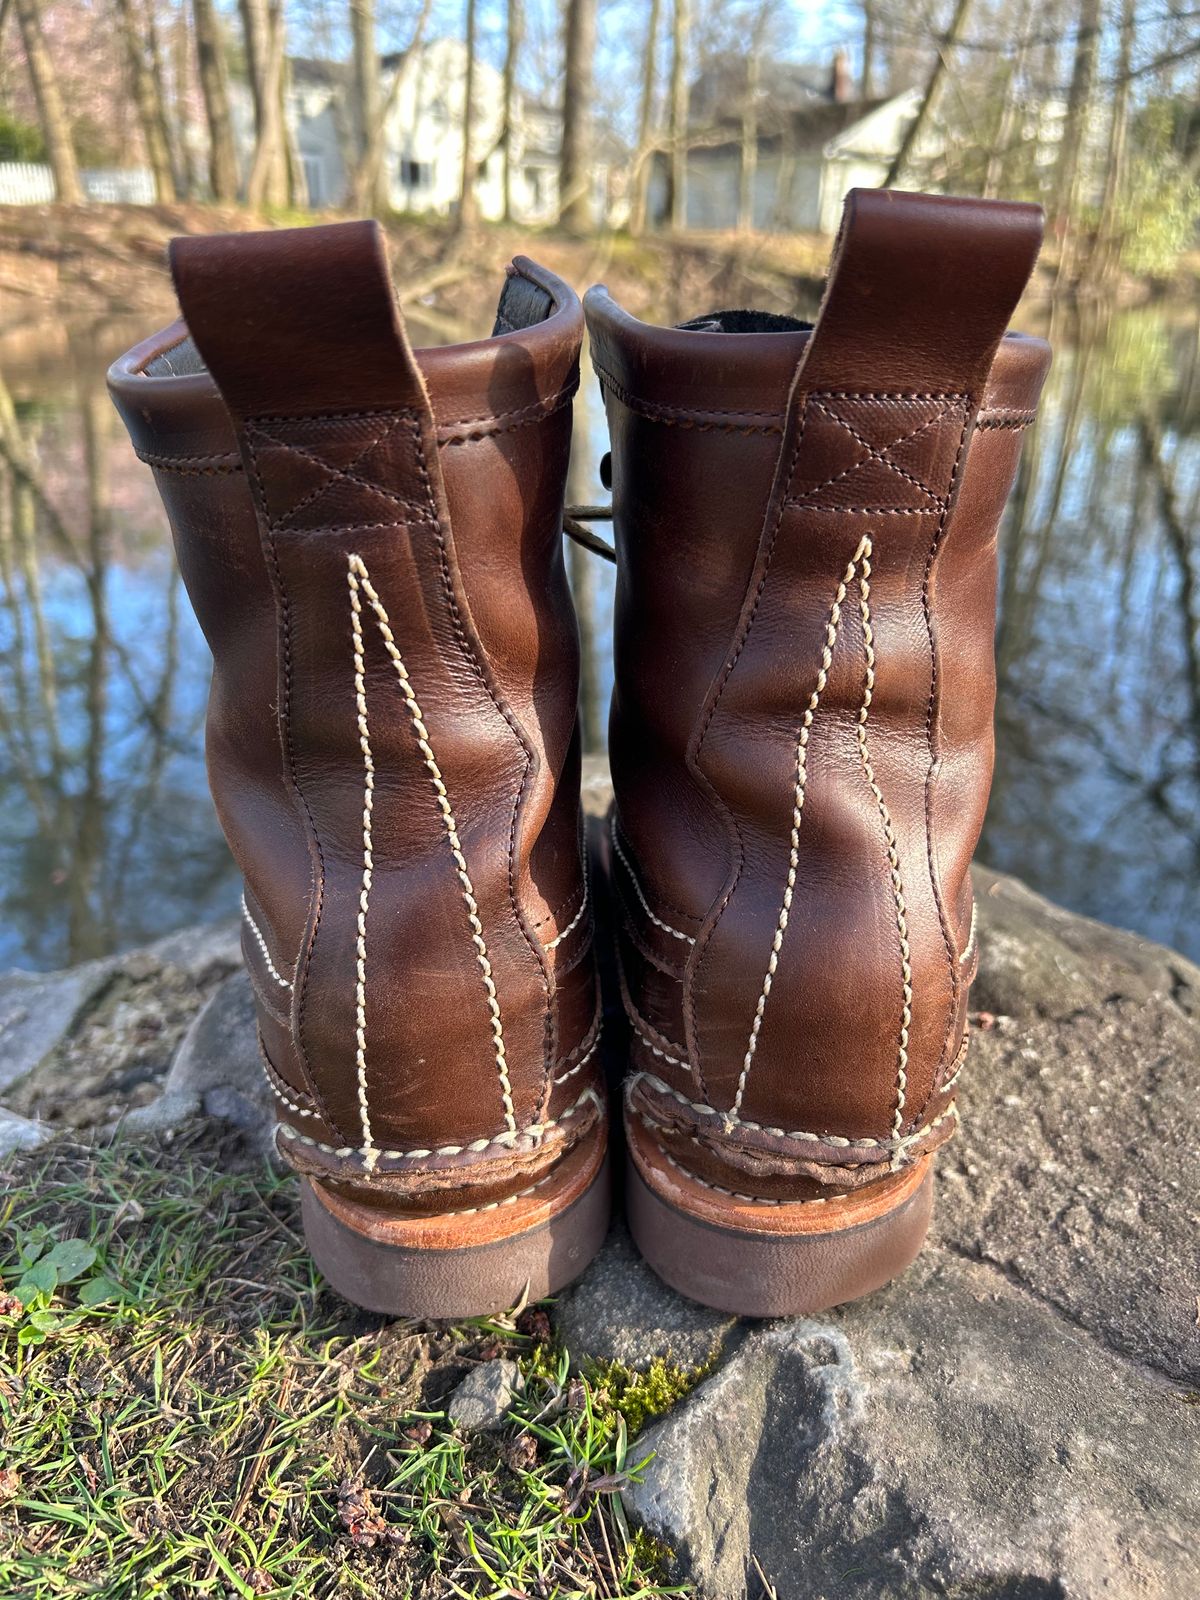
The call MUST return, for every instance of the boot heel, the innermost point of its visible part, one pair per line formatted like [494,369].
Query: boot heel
[778,1260]
[467,1263]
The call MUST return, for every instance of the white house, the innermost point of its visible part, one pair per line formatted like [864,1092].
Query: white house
[813,143]
[423,148]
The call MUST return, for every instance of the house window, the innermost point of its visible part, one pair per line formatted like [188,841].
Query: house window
[415,174]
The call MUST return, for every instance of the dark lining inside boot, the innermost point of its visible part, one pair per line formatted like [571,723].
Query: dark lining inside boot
[180,361]
[745,322]
[523,304]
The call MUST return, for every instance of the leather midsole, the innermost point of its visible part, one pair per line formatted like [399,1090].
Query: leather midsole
[452,1229]
[690,1194]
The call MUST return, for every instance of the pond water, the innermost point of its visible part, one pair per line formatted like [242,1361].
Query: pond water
[107,837]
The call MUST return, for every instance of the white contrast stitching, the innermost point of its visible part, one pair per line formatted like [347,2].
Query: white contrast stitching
[637,889]
[262,945]
[969,947]
[580,1064]
[835,1139]
[299,1111]
[734,1194]
[358,567]
[574,922]
[958,1066]
[535,1130]
[360,990]
[889,833]
[879,453]
[831,632]
[643,1038]
[494,1205]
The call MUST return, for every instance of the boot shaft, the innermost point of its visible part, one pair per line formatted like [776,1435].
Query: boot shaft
[371,539]
[801,727]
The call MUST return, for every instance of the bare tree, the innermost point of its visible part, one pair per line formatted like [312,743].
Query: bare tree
[367,98]
[748,171]
[1079,105]
[929,99]
[575,161]
[56,130]
[515,19]
[181,64]
[146,85]
[1102,260]
[263,29]
[268,180]
[467,204]
[680,25]
[214,86]
[866,81]
[368,186]
[641,161]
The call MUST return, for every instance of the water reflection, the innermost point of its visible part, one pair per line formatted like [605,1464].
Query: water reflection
[107,837]
[1097,793]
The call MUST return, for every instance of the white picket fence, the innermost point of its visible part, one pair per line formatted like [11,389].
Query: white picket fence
[31,183]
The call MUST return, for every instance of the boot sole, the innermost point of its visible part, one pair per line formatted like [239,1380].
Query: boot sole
[466,1263]
[757,1260]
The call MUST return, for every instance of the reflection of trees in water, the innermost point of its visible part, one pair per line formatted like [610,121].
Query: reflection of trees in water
[1097,794]
[86,731]
[105,826]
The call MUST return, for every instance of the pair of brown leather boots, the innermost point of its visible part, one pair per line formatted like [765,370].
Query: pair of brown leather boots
[800,740]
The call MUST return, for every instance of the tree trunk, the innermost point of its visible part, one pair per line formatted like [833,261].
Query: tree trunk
[641,162]
[1012,69]
[297,179]
[147,98]
[748,170]
[267,183]
[214,85]
[933,87]
[56,130]
[467,208]
[515,32]
[181,54]
[171,130]
[255,38]
[574,173]
[367,185]
[1105,259]
[679,115]
[866,82]
[368,94]
[1079,102]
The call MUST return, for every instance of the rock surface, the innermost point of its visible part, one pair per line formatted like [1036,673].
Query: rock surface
[82,1047]
[18,1133]
[621,1311]
[485,1396]
[951,1435]
[38,1011]
[1015,1418]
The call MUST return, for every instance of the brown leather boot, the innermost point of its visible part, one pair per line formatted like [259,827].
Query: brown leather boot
[801,742]
[371,539]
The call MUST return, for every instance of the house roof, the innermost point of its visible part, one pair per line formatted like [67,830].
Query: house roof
[315,70]
[806,128]
[719,93]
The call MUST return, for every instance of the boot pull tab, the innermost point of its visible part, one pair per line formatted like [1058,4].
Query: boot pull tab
[290,318]
[920,292]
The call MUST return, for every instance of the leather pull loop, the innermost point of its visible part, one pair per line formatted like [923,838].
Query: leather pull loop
[289,318]
[920,293]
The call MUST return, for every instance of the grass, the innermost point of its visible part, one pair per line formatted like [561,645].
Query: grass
[186,1410]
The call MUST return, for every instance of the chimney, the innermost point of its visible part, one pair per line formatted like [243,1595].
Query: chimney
[840,87]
